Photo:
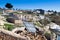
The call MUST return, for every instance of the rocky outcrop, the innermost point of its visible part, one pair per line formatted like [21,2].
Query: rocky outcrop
[7,35]
[20,35]
[30,35]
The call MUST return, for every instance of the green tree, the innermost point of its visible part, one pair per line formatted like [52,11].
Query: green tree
[55,12]
[9,6]
[49,11]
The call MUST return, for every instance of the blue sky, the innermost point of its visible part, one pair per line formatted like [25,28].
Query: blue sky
[33,4]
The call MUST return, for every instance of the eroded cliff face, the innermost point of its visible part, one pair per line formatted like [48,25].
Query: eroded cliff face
[7,35]
[31,35]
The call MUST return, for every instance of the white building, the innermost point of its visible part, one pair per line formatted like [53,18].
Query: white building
[53,26]
[36,12]
[41,16]
[46,12]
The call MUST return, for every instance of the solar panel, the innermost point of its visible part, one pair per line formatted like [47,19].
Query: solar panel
[30,27]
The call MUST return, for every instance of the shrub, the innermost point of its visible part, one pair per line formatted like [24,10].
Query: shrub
[8,27]
[48,35]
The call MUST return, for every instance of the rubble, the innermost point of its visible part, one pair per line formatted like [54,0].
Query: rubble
[32,36]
